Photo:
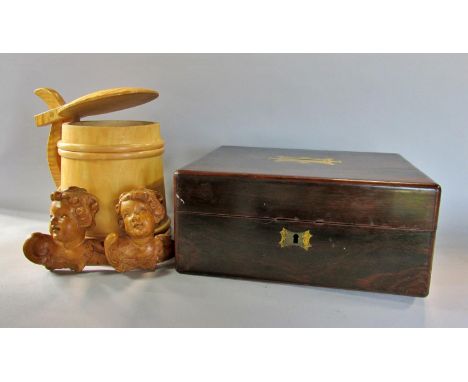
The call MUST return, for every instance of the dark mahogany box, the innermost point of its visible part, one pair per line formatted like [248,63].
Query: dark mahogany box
[337,219]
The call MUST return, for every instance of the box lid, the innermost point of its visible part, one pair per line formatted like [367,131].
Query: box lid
[335,187]
[349,166]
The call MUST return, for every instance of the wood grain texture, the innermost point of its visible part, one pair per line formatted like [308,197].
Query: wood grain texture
[335,203]
[100,102]
[390,261]
[371,218]
[352,167]
[139,211]
[72,213]
[53,99]
[105,157]
[50,96]
[109,158]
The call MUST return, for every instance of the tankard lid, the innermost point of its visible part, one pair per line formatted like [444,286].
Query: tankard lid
[100,102]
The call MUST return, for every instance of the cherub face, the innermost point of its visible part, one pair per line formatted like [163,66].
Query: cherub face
[138,218]
[64,226]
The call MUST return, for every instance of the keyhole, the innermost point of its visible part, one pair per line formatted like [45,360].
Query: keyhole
[295,238]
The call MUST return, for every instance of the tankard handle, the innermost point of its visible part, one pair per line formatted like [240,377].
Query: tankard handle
[53,99]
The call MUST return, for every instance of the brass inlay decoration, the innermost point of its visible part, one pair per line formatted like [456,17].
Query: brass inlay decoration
[306,160]
[297,239]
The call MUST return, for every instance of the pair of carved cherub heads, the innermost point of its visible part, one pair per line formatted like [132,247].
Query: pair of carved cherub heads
[72,212]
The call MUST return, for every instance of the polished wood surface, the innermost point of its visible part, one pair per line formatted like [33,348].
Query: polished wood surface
[109,158]
[354,167]
[322,202]
[369,219]
[100,102]
[53,100]
[139,213]
[72,213]
[380,260]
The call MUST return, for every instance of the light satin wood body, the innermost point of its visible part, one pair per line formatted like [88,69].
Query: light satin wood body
[54,100]
[109,158]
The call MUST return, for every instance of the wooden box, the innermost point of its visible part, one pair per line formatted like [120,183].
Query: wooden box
[328,218]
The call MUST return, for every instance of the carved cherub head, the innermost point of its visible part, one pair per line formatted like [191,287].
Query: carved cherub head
[72,212]
[140,211]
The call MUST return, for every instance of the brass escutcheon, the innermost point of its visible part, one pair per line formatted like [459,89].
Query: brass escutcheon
[297,239]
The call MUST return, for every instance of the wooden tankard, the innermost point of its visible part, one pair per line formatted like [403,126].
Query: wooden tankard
[106,157]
